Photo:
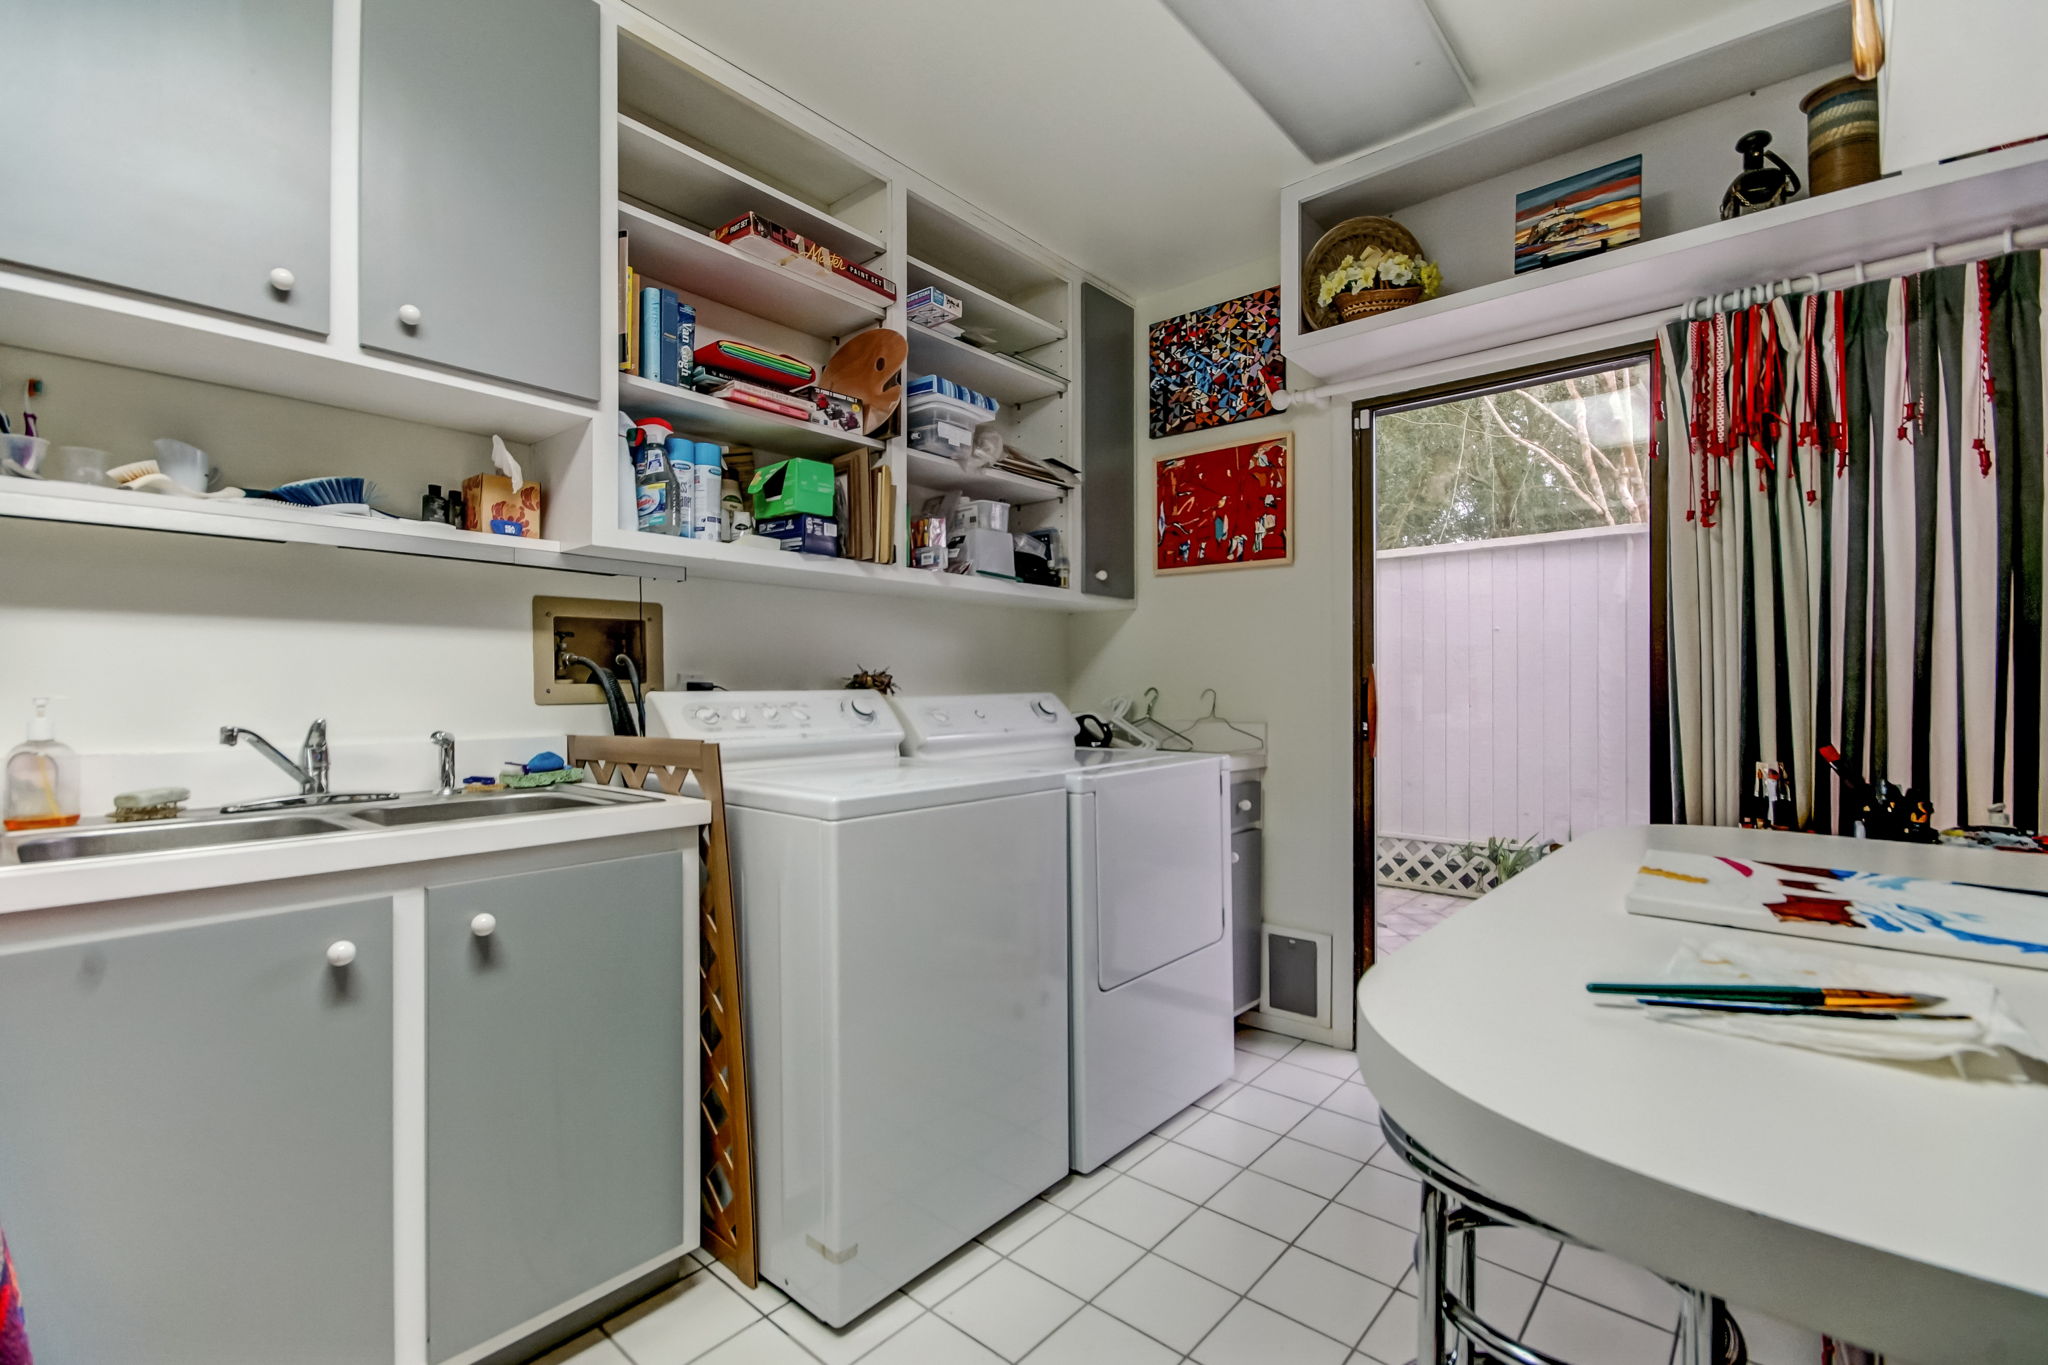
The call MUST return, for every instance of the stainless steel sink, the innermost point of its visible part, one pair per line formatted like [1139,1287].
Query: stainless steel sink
[476,808]
[167,835]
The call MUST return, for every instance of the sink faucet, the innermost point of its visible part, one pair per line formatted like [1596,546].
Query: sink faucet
[445,742]
[310,772]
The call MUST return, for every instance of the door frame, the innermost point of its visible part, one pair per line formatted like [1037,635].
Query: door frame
[1364,532]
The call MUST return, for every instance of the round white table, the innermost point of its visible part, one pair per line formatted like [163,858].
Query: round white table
[1898,1207]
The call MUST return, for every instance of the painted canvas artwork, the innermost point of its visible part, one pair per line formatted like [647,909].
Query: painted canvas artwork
[1226,508]
[1847,905]
[1581,215]
[1216,365]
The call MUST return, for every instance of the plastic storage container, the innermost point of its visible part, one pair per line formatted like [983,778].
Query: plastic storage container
[941,424]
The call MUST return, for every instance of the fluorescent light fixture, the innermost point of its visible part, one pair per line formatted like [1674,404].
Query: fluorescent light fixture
[1336,75]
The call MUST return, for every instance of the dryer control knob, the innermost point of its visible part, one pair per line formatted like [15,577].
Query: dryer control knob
[739,713]
[769,713]
[706,716]
[1044,712]
[862,711]
[799,715]
[938,715]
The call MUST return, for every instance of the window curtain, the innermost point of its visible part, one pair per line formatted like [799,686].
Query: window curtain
[1854,531]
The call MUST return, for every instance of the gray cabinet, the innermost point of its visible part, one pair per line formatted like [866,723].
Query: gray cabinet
[195,1160]
[481,232]
[1247,914]
[1108,355]
[559,1112]
[178,149]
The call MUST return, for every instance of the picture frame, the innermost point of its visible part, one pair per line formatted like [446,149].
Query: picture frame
[1215,366]
[1231,507]
[1579,216]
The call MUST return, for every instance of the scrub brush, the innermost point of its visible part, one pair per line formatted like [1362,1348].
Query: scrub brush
[154,803]
[144,476]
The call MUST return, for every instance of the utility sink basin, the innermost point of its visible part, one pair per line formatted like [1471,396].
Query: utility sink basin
[167,835]
[475,808]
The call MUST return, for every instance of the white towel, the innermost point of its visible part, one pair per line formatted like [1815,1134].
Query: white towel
[1986,1041]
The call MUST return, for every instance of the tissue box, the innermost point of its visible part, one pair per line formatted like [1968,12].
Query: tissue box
[981,513]
[791,488]
[803,533]
[490,498]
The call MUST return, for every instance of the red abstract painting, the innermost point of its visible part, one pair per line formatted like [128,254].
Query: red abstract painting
[1225,508]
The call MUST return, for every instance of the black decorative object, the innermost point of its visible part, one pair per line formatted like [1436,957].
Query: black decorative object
[1760,186]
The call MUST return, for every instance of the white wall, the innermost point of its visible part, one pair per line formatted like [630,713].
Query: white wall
[1514,692]
[1275,643]
[156,641]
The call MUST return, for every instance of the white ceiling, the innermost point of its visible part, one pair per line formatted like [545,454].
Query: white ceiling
[1102,128]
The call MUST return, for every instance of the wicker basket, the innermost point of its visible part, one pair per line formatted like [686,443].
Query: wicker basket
[1348,238]
[1366,303]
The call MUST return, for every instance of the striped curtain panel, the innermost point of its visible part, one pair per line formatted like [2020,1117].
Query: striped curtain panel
[1854,534]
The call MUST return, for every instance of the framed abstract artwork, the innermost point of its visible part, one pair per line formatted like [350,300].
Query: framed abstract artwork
[1580,215]
[1216,365]
[1228,508]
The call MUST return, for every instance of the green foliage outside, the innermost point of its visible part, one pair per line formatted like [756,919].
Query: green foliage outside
[1559,456]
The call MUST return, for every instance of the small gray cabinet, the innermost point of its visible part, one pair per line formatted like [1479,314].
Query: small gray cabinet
[195,1159]
[1108,355]
[1247,914]
[178,149]
[560,1021]
[481,233]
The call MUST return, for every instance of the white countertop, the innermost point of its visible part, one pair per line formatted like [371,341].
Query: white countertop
[84,881]
[1896,1206]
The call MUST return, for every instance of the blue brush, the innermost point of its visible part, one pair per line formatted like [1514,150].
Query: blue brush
[322,492]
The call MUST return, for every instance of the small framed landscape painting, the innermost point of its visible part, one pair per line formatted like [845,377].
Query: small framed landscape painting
[1580,215]
[1226,508]
[1216,365]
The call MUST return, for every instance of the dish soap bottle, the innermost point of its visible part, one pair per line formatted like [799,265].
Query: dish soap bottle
[42,778]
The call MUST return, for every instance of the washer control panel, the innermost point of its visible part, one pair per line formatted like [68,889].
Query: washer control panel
[765,724]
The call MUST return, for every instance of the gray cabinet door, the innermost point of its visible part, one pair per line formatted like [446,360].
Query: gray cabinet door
[1108,341]
[480,204]
[1247,914]
[195,1158]
[559,1110]
[178,149]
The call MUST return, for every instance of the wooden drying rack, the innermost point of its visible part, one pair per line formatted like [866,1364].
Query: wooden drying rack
[728,1176]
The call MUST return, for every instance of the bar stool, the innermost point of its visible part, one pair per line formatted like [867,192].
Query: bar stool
[1449,1329]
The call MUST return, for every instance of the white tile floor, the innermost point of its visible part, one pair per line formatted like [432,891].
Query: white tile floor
[1267,1225]
[1400,914]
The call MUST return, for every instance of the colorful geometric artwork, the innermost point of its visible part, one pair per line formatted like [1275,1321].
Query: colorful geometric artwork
[1846,904]
[1581,215]
[1227,508]
[1216,365]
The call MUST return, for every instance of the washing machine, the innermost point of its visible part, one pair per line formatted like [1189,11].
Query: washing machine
[903,949]
[1148,887]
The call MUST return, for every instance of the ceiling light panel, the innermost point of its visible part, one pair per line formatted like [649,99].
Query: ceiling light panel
[1336,75]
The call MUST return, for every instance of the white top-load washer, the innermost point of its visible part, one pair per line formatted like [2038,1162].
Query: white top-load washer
[1148,851]
[903,949]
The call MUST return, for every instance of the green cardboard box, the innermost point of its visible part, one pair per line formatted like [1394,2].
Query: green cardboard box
[793,488]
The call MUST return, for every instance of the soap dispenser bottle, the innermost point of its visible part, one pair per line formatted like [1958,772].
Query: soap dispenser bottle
[42,778]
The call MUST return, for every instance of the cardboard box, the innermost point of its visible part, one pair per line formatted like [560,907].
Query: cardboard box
[984,552]
[803,533]
[793,487]
[983,513]
[761,239]
[490,504]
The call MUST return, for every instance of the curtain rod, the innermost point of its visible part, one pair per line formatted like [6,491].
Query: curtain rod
[1927,258]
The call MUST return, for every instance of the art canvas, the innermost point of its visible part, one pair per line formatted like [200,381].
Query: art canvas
[1227,508]
[1216,365]
[1581,215]
[1847,905]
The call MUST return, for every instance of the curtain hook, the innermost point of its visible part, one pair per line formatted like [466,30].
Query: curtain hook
[1862,275]
[1816,286]
[1933,261]
[2009,241]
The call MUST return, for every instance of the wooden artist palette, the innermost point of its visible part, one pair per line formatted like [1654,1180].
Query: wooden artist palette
[870,368]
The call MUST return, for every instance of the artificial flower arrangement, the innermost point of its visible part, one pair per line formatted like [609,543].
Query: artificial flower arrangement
[1376,269]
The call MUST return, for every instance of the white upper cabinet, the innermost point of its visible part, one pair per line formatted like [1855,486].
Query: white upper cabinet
[174,150]
[1960,76]
[480,166]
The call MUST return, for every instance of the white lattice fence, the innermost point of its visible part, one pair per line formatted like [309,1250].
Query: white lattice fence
[1447,867]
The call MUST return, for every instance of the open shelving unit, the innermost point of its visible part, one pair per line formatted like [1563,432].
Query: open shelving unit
[686,144]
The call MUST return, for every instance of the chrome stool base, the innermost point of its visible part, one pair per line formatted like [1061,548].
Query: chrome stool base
[1449,1329]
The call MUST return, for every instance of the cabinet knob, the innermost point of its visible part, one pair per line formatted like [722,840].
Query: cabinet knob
[409,314]
[282,280]
[1102,575]
[340,953]
[1237,857]
[484,925]
[1244,805]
